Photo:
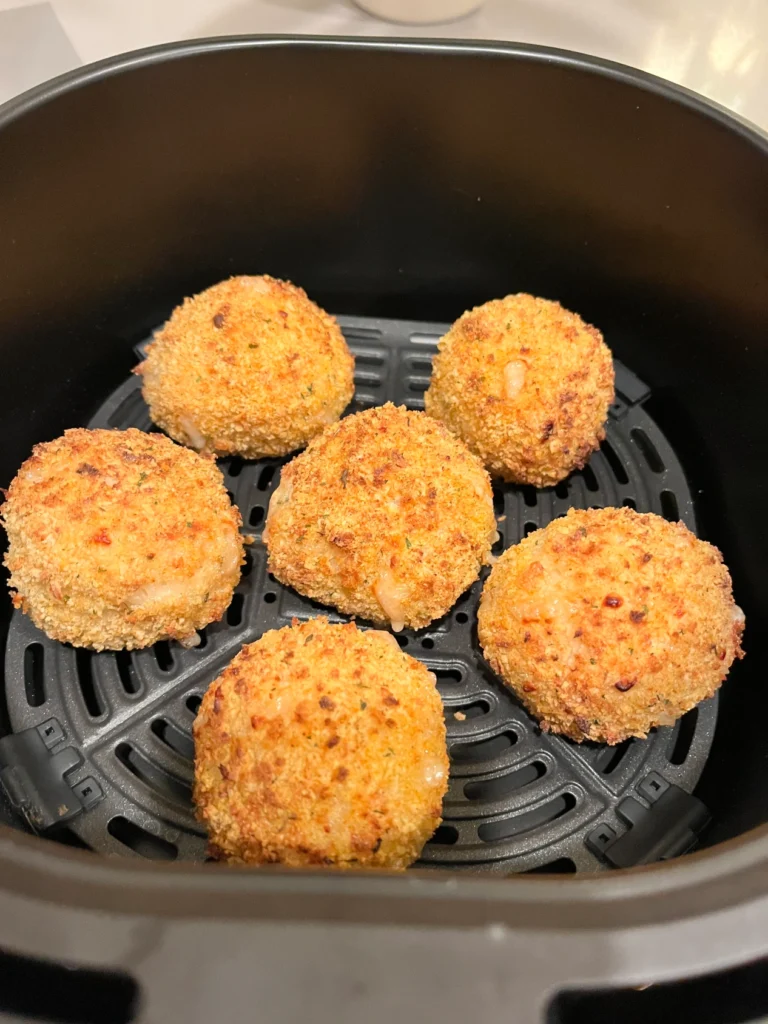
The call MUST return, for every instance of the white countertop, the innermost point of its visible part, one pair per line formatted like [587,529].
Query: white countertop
[717,47]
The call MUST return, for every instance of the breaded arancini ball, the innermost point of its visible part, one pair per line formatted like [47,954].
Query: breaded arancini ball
[321,744]
[609,622]
[250,367]
[119,539]
[386,516]
[527,385]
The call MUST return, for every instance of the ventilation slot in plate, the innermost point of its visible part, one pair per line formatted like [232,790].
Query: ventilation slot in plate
[669,508]
[445,835]
[526,821]
[651,456]
[614,462]
[561,866]
[499,788]
[682,737]
[127,672]
[266,476]
[235,610]
[163,655]
[609,758]
[179,741]
[152,775]
[34,675]
[140,841]
[476,709]
[92,699]
[483,750]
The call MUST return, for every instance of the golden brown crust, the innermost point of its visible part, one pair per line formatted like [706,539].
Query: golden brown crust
[321,744]
[249,366]
[386,516]
[609,622]
[527,385]
[119,539]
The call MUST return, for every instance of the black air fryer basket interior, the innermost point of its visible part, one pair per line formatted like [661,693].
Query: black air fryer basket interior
[399,184]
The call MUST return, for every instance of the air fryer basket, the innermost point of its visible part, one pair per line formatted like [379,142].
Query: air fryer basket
[399,183]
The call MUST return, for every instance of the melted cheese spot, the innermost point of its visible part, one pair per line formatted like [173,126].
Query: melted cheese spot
[196,439]
[230,561]
[392,597]
[434,771]
[514,378]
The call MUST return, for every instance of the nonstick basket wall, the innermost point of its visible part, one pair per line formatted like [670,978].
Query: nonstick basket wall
[400,184]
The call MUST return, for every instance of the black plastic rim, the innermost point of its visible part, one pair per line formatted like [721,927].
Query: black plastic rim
[79,77]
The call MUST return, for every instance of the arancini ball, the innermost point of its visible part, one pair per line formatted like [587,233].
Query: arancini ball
[321,744]
[249,367]
[609,622]
[118,539]
[527,385]
[386,516]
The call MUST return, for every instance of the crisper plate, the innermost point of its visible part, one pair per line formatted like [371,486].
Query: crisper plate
[116,727]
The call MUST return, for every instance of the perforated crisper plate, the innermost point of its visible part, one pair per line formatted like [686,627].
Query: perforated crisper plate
[518,800]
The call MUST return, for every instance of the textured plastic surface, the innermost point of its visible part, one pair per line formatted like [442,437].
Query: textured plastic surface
[518,800]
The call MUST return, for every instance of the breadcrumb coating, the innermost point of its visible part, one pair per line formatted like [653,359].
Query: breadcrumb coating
[386,516]
[118,539]
[527,385]
[321,744]
[609,622]
[249,366]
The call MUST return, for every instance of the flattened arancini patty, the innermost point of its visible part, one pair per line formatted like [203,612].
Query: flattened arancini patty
[609,622]
[386,516]
[321,744]
[527,385]
[118,539]
[250,366]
